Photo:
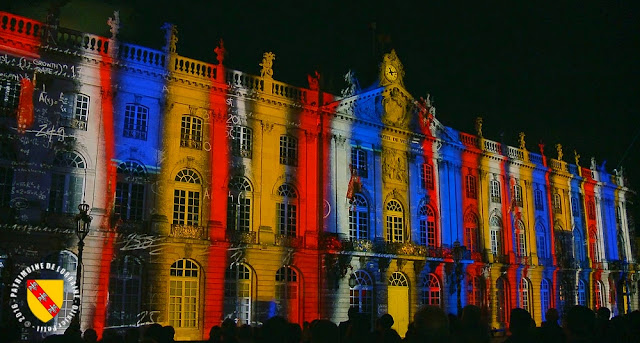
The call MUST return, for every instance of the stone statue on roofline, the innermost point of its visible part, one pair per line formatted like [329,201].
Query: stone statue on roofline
[314,81]
[479,126]
[593,163]
[577,157]
[353,86]
[171,37]
[114,24]
[522,143]
[220,52]
[267,65]
[559,149]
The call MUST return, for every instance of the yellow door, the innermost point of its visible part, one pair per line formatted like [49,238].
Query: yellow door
[399,308]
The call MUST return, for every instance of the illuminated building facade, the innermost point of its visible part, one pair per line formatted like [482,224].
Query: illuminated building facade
[218,194]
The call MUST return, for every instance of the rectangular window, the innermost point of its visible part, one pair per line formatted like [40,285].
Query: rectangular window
[495,242]
[395,229]
[66,193]
[517,195]
[557,203]
[183,303]
[287,219]
[522,244]
[575,206]
[472,189]
[358,224]
[426,177]
[186,207]
[129,202]
[288,151]
[239,214]
[135,121]
[241,141]
[470,239]
[359,162]
[538,200]
[9,94]
[191,132]
[495,191]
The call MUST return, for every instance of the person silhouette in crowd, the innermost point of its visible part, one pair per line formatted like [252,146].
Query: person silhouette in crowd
[324,331]
[550,331]
[521,327]
[90,336]
[472,327]
[603,324]
[384,332]
[344,327]
[430,324]
[579,325]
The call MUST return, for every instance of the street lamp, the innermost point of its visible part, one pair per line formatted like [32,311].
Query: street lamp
[458,255]
[83,224]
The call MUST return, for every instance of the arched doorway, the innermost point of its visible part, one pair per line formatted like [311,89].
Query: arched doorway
[399,302]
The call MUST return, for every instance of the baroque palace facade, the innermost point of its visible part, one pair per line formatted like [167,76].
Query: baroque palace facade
[218,194]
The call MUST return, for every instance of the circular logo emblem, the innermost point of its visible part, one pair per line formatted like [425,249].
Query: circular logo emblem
[44,296]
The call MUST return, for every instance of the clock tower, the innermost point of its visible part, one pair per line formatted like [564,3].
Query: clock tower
[391,70]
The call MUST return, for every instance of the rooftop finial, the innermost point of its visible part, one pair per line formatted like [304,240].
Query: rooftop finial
[353,86]
[314,81]
[267,65]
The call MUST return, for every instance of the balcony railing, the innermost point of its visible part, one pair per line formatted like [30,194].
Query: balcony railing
[288,241]
[240,152]
[131,226]
[191,143]
[249,237]
[188,231]
[135,133]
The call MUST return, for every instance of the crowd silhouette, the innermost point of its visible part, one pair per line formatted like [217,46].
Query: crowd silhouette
[430,324]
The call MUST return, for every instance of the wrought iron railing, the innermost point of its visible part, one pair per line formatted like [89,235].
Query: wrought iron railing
[242,236]
[288,241]
[188,231]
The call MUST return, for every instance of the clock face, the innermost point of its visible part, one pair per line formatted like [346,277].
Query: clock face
[390,72]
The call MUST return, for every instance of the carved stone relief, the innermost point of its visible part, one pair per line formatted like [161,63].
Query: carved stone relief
[394,165]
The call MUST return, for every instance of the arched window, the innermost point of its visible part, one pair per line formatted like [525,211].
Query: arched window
[239,205]
[237,293]
[430,291]
[191,132]
[68,261]
[494,191]
[575,206]
[502,300]
[359,218]
[582,293]
[525,295]
[186,198]
[471,232]
[130,189]
[395,221]
[361,294]
[521,236]
[428,228]
[598,294]
[287,210]
[136,121]
[541,242]
[184,294]
[545,297]
[495,229]
[67,182]
[287,293]
[124,291]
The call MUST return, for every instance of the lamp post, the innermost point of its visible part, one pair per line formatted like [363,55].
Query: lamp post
[458,254]
[83,225]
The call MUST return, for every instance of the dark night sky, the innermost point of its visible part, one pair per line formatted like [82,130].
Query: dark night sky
[565,73]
